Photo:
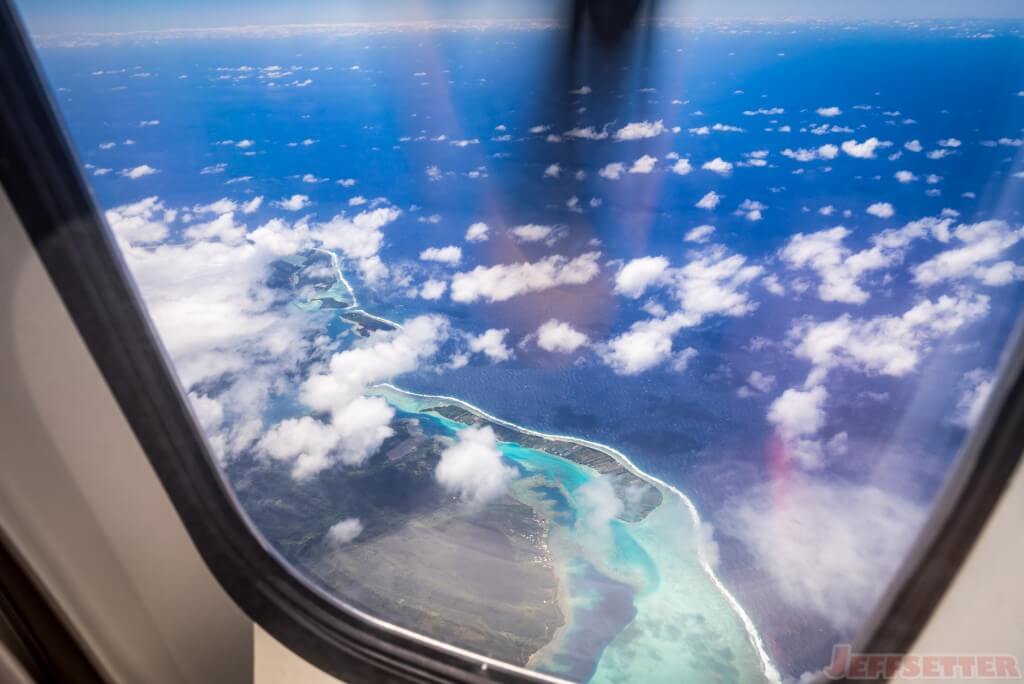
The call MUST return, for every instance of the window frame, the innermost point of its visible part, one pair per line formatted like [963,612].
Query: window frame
[43,179]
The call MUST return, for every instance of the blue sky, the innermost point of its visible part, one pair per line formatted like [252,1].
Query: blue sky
[64,16]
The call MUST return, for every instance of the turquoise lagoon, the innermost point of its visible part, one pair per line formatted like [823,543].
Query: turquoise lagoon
[641,600]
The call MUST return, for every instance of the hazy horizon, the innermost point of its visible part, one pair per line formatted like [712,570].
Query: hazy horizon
[96,16]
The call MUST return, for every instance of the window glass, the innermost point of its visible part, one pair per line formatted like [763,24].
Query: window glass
[637,363]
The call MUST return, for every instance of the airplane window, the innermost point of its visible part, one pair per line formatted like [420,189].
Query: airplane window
[635,357]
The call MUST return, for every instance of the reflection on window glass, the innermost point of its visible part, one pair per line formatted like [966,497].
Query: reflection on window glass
[642,364]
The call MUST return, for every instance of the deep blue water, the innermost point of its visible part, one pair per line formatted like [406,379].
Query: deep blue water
[689,428]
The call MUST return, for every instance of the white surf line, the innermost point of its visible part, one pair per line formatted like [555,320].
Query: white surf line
[375,317]
[351,292]
[770,673]
[341,275]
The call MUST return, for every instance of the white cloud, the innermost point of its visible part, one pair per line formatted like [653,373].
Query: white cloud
[346,182]
[939,154]
[772,284]
[709,201]
[491,343]
[719,166]
[752,210]
[950,142]
[681,359]
[905,177]
[773,111]
[293,203]
[252,205]
[588,133]
[222,228]
[444,255]
[981,244]
[976,387]
[145,221]
[644,164]
[558,336]
[472,468]
[433,289]
[531,232]
[209,299]
[682,167]
[477,232]
[344,531]
[806,155]
[839,268]
[757,158]
[612,171]
[372,270]
[137,172]
[637,275]
[306,442]
[864,150]
[503,281]
[552,171]
[784,534]
[640,130]
[913,146]
[582,90]
[828,151]
[760,382]
[245,143]
[700,234]
[712,283]
[825,129]
[358,237]
[598,505]
[938,228]
[434,173]
[645,345]
[357,424]
[829,111]
[357,201]
[221,206]
[209,411]
[888,344]
[798,415]
[882,210]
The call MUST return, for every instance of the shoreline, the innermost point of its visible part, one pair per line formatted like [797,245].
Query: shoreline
[336,262]
[767,667]
[354,306]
